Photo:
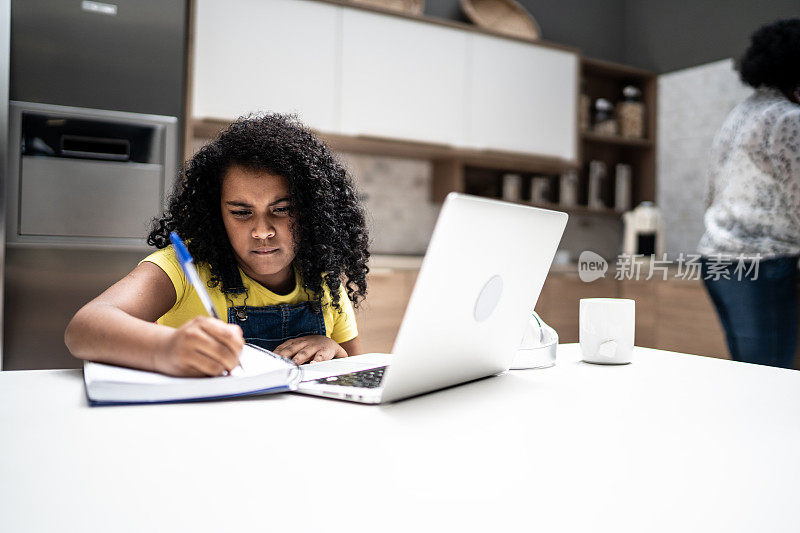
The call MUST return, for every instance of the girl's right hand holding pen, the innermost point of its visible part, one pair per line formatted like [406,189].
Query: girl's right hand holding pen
[204,346]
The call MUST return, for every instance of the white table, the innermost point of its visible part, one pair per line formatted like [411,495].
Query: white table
[670,443]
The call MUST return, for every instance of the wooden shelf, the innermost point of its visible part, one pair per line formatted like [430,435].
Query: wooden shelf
[616,140]
[607,69]
[511,161]
[362,144]
[604,79]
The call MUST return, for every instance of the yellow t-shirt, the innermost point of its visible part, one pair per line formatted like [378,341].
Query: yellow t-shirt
[339,326]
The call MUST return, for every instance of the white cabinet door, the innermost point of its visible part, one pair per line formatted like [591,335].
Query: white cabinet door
[523,97]
[345,70]
[402,79]
[267,55]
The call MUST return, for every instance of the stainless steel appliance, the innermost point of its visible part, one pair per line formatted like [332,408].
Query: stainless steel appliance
[122,55]
[86,176]
[5,44]
[97,91]
[83,186]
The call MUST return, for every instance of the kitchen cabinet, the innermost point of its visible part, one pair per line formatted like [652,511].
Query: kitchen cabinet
[648,315]
[478,105]
[266,55]
[402,79]
[558,301]
[522,98]
[357,75]
[380,315]
[687,320]
[600,79]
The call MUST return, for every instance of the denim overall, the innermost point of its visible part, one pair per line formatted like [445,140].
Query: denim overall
[271,325]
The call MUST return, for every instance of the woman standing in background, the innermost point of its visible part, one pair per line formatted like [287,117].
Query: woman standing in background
[753,204]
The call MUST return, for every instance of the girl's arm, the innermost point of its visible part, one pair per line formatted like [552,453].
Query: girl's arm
[352,347]
[118,327]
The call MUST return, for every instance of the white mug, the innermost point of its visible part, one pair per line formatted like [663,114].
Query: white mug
[607,328]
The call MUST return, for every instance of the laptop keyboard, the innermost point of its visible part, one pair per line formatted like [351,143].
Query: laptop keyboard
[367,379]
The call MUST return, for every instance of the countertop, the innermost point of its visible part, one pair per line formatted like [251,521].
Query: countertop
[670,442]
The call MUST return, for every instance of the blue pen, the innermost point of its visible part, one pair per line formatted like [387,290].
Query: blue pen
[187,263]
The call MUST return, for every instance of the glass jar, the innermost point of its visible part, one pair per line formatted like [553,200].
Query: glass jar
[604,121]
[630,112]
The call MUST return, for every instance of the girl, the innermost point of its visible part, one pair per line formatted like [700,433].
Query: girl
[274,225]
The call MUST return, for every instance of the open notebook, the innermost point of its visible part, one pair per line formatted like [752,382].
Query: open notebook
[261,372]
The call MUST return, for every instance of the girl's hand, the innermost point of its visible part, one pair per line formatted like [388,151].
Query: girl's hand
[204,346]
[311,348]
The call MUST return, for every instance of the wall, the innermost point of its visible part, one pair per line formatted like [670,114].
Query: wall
[594,27]
[692,106]
[396,196]
[656,35]
[665,36]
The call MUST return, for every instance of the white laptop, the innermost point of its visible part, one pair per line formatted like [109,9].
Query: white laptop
[482,274]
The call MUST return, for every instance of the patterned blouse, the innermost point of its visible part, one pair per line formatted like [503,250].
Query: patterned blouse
[753,196]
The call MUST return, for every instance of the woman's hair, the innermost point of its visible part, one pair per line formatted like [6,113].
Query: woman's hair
[328,220]
[773,58]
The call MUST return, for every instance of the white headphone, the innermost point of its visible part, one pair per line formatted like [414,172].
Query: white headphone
[538,346]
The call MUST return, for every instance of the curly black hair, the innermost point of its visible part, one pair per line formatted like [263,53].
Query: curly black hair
[329,224]
[773,57]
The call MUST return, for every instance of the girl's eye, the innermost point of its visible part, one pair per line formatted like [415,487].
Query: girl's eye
[282,210]
[240,213]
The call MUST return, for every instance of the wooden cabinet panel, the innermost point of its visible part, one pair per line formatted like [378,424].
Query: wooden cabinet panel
[687,320]
[559,304]
[380,315]
[644,293]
